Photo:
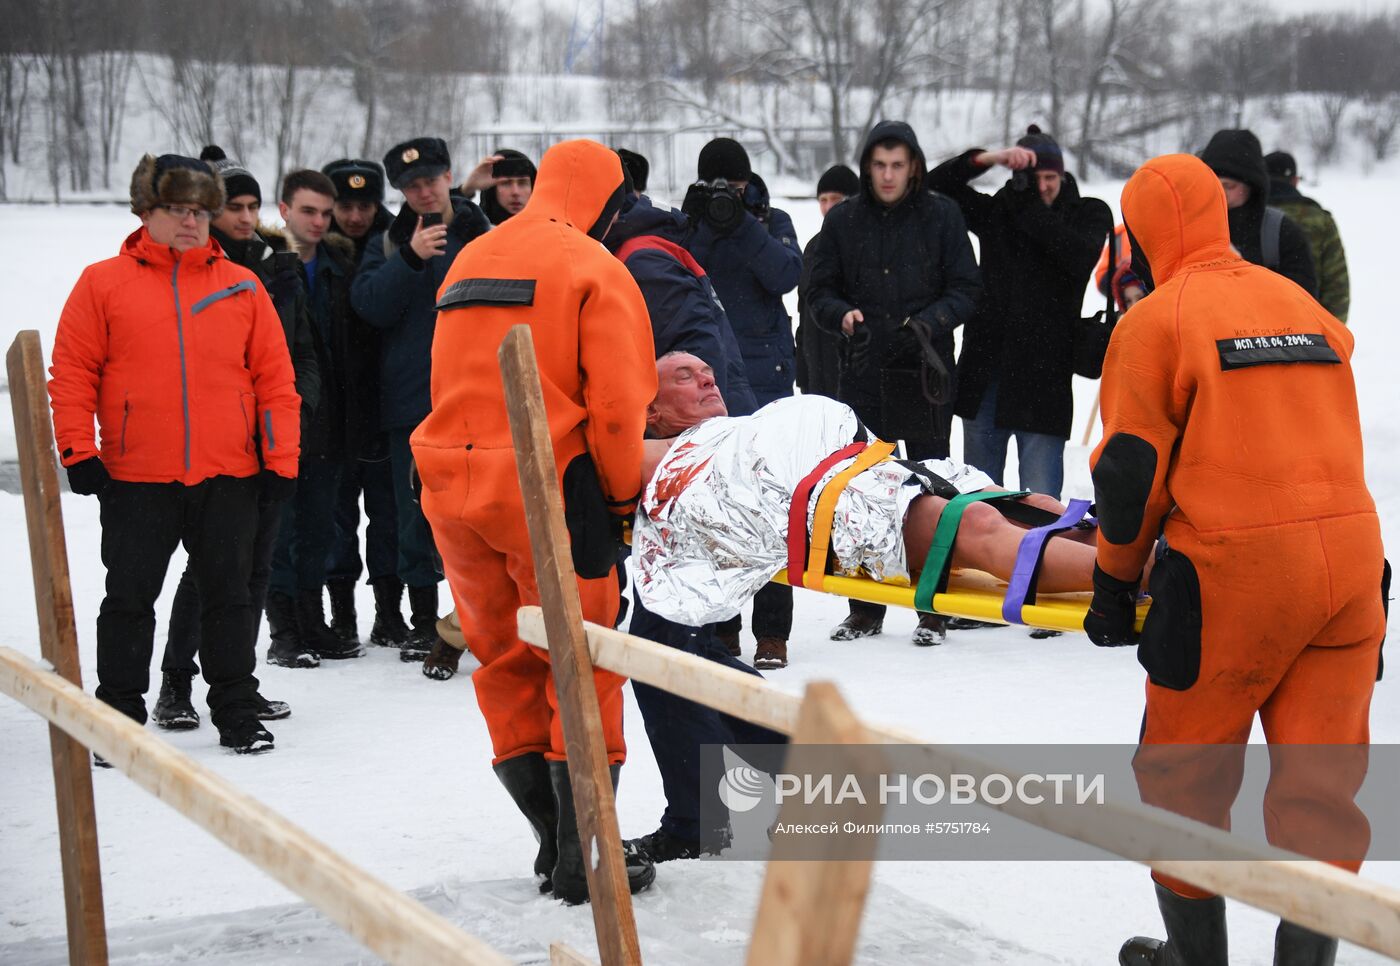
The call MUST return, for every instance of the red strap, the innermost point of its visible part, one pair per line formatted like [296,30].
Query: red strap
[797,512]
[656,242]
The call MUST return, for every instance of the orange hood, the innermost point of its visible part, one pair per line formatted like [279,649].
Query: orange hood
[1174,208]
[580,184]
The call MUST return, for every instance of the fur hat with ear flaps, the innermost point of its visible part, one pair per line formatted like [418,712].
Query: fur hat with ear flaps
[173,179]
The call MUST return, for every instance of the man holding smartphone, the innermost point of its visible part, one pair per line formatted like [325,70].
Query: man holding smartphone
[395,291]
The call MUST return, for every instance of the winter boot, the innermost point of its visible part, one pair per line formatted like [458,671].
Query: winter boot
[526,777]
[271,710]
[174,712]
[857,625]
[730,642]
[569,880]
[246,737]
[389,630]
[1044,634]
[342,591]
[441,662]
[1195,934]
[1296,946]
[286,649]
[770,654]
[932,630]
[318,638]
[968,624]
[422,606]
[661,846]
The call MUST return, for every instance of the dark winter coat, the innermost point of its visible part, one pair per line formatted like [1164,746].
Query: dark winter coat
[686,315]
[383,218]
[818,351]
[1036,262]
[752,268]
[911,259]
[1237,155]
[289,299]
[348,415]
[395,291]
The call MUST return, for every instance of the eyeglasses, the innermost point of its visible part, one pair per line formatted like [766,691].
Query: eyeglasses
[180,212]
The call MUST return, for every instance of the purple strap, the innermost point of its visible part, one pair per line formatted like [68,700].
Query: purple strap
[1028,557]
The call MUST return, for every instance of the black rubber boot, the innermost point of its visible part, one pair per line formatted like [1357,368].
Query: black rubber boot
[315,635]
[1295,945]
[174,711]
[569,880]
[527,779]
[423,615]
[1195,934]
[389,630]
[286,649]
[342,591]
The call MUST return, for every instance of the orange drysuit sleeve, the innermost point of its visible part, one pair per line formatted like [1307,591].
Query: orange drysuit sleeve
[617,359]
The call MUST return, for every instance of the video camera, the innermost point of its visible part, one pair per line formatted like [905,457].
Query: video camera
[714,203]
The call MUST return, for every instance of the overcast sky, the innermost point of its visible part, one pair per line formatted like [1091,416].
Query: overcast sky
[1329,6]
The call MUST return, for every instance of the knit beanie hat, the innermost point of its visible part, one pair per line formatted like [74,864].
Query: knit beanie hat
[840,179]
[238,180]
[1048,156]
[1281,165]
[724,158]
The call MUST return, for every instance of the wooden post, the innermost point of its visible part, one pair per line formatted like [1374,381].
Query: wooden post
[568,653]
[58,641]
[1093,416]
[397,928]
[564,955]
[810,910]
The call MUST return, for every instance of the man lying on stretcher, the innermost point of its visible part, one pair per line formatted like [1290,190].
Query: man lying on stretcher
[712,527]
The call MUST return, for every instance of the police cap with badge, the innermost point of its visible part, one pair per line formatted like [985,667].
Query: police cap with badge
[418,158]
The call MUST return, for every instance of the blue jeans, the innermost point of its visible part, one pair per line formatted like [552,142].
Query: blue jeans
[1041,457]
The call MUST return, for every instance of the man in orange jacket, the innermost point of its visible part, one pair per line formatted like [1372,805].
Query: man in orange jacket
[544,267]
[1231,433]
[180,356]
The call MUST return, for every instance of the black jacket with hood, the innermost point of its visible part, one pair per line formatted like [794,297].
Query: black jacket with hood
[1036,262]
[894,262]
[1237,154]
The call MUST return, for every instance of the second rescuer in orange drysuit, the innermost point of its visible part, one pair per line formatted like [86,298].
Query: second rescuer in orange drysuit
[545,267]
[1231,430]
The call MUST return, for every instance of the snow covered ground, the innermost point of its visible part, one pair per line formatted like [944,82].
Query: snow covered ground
[392,769]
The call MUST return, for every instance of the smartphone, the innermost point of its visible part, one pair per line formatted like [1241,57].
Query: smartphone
[432,218]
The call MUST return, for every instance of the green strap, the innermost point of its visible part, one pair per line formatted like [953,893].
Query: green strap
[940,552]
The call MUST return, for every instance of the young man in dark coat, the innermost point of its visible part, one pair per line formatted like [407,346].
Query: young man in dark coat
[819,351]
[396,291]
[332,437]
[753,260]
[360,215]
[513,177]
[1238,161]
[254,247]
[894,273]
[1039,243]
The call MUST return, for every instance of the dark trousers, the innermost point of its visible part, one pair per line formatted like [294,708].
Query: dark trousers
[931,447]
[418,564]
[142,524]
[308,528]
[182,638]
[677,728]
[375,481]
[772,614]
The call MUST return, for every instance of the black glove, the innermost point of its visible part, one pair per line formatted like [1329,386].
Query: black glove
[1113,610]
[284,286]
[857,346]
[89,477]
[902,349]
[275,488]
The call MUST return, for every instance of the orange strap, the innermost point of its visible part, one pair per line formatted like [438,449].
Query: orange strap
[825,514]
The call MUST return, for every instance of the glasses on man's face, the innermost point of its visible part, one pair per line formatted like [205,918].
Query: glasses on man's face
[180,212]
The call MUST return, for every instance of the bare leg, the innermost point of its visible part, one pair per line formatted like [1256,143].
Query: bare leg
[988,541]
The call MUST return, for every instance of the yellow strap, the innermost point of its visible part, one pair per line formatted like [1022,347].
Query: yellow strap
[825,515]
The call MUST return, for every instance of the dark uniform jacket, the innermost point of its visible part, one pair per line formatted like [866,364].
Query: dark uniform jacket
[395,291]
[1036,262]
[347,418]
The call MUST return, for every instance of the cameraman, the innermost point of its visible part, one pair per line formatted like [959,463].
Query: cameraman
[751,254]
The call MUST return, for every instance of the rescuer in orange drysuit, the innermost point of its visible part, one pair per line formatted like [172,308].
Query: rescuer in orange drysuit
[1231,430]
[545,267]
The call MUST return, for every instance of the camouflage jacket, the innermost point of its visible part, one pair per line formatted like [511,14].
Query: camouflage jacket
[1329,258]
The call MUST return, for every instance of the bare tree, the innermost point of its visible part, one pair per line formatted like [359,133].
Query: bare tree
[1378,124]
[113,69]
